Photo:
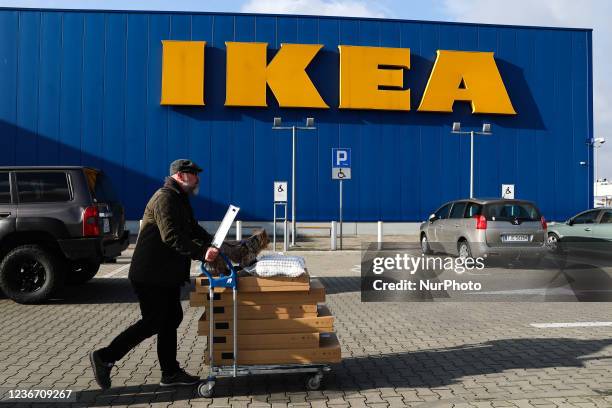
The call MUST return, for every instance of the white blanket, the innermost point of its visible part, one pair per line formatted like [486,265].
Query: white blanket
[277,265]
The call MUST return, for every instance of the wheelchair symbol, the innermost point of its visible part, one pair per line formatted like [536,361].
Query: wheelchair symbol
[341,174]
[280,188]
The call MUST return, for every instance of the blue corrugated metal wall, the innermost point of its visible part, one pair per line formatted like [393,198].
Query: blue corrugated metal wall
[84,88]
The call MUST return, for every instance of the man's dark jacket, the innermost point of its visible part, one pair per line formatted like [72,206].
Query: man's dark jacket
[169,238]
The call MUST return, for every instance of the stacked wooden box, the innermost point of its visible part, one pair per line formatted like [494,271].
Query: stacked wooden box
[281,320]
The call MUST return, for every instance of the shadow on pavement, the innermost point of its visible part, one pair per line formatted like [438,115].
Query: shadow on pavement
[340,284]
[104,290]
[424,368]
[445,366]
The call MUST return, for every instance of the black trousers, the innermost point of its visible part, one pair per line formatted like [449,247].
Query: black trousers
[162,314]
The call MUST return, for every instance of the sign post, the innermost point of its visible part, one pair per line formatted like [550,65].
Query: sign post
[280,199]
[341,170]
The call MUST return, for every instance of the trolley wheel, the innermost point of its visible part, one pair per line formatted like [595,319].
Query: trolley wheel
[313,382]
[204,391]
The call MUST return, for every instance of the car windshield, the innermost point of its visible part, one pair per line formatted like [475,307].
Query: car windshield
[510,211]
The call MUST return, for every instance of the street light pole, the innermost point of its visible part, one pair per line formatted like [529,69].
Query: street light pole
[486,130]
[293,230]
[472,164]
[309,126]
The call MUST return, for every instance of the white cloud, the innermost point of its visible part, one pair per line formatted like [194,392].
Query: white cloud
[593,14]
[353,8]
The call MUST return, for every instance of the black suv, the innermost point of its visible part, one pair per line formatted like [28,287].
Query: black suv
[57,225]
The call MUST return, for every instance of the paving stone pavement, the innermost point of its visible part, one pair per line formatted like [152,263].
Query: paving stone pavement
[394,354]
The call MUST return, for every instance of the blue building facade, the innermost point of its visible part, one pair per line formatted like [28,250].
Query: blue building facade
[83,88]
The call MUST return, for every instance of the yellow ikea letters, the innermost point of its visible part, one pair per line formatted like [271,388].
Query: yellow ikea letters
[370,78]
[483,86]
[182,72]
[363,70]
[248,74]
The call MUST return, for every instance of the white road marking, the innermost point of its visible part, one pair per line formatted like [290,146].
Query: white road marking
[195,271]
[116,271]
[571,324]
[532,291]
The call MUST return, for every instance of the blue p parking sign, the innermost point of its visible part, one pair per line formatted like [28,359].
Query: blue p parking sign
[341,157]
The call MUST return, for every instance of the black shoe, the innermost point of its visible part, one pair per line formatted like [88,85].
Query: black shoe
[101,370]
[179,378]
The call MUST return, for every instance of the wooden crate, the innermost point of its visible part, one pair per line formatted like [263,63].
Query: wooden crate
[287,311]
[257,284]
[323,323]
[328,352]
[267,341]
[316,294]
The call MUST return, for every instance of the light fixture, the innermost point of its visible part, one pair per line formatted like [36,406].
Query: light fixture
[277,125]
[486,131]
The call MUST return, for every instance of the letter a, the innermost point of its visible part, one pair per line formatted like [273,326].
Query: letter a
[483,85]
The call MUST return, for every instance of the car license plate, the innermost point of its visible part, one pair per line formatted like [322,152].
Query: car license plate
[515,238]
[106,227]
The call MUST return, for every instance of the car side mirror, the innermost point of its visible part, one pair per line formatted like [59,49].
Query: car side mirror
[432,217]
[570,222]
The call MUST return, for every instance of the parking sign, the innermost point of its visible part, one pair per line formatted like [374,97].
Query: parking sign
[280,191]
[508,191]
[341,158]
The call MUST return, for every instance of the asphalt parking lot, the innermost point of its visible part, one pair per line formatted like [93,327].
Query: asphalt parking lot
[434,354]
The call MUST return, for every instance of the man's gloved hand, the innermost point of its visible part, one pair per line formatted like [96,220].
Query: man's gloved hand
[211,254]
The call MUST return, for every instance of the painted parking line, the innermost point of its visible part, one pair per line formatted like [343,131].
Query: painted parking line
[195,271]
[571,324]
[116,271]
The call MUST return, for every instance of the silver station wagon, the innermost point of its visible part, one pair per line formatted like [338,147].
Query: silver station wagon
[485,228]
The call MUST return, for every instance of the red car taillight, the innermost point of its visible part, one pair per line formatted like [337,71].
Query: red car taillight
[481,222]
[91,225]
[544,224]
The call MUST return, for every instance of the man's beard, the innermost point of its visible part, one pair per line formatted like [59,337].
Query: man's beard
[193,190]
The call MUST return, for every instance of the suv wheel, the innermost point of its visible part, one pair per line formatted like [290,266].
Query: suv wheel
[464,250]
[425,248]
[30,274]
[82,271]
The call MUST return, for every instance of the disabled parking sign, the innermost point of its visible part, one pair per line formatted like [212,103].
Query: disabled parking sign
[341,164]
[341,170]
[508,191]
[341,158]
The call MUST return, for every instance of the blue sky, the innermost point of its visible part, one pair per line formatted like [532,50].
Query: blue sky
[394,8]
[559,13]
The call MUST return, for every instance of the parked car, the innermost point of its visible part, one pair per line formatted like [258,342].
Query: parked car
[57,224]
[590,230]
[485,228]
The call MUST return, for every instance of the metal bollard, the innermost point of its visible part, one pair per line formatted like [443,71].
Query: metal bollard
[333,235]
[238,230]
[285,236]
[380,235]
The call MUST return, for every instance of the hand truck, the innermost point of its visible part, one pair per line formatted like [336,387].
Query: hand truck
[206,389]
